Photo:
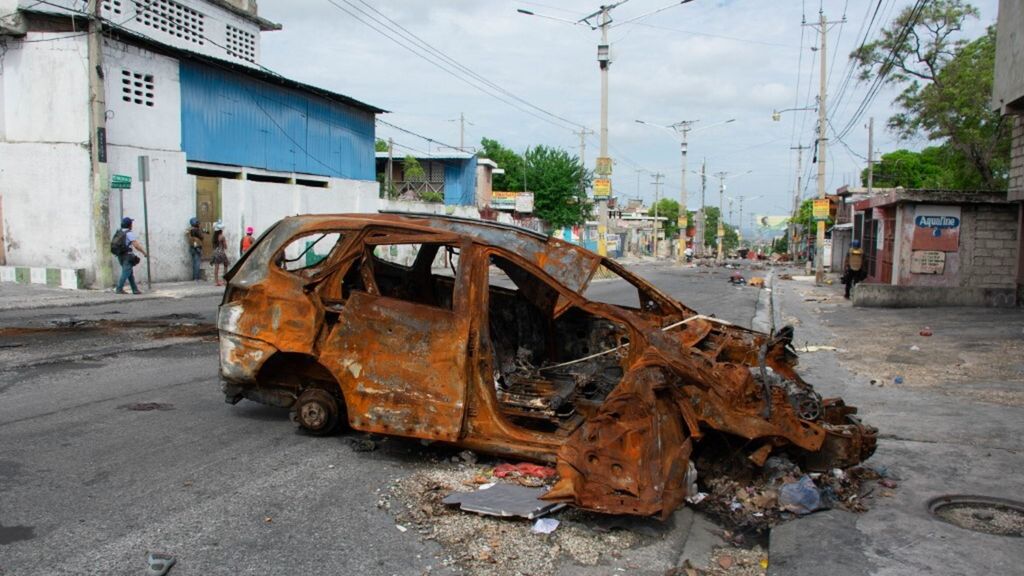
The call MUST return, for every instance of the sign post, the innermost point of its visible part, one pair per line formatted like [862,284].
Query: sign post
[121,183]
[144,177]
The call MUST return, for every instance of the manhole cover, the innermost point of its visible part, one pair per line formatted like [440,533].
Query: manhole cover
[981,514]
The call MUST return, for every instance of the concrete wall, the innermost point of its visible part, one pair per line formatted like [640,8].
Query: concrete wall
[987,257]
[1015,192]
[1009,77]
[44,155]
[889,296]
[156,126]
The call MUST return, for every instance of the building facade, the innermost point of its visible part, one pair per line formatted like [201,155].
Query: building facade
[1008,98]
[225,139]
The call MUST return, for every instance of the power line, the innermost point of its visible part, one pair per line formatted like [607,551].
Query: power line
[390,29]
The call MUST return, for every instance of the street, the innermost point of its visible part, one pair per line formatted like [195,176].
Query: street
[116,441]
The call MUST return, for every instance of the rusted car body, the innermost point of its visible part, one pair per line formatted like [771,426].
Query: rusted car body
[483,335]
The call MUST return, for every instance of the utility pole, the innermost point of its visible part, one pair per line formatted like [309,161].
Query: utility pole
[682,127]
[796,200]
[819,247]
[720,257]
[99,182]
[604,162]
[702,217]
[871,154]
[657,184]
[389,177]
[583,155]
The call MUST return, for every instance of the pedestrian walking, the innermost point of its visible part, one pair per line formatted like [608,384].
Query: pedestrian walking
[194,236]
[853,267]
[220,252]
[247,242]
[125,242]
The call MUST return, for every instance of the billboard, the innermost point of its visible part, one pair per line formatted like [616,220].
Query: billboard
[512,201]
[602,187]
[772,222]
[936,228]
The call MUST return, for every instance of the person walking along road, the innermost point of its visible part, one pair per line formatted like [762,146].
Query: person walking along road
[853,267]
[220,252]
[126,256]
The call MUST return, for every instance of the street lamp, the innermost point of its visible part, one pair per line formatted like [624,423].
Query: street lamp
[679,131]
[601,19]
[720,257]
[777,114]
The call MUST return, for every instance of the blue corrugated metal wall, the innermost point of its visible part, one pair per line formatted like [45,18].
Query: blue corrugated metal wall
[460,182]
[228,118]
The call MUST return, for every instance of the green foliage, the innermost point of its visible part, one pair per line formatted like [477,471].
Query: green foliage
[413,170]
[508,160]
[380,145]
[935,167]
[947,87]
[731,239]
[431,196]
[781,245]
[668,208]
[554,177]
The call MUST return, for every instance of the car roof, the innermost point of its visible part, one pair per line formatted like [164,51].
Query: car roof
[565,262]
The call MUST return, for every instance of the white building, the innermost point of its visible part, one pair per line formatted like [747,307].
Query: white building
[226,139]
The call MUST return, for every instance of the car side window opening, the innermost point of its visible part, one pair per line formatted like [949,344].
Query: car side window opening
[536,381]
[306,255]
[421,273]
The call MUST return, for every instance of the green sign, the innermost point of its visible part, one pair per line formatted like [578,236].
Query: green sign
[120,182]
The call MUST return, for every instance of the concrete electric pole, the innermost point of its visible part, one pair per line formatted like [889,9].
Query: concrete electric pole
[657,196]
[796,200]
[819,246]
[720,235]
[871,154]
[702,217]
[99,181]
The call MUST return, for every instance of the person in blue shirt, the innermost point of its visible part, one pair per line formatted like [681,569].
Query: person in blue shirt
[128,258]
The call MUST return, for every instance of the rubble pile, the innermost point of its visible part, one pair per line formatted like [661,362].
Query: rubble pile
[487,545]
[749,500]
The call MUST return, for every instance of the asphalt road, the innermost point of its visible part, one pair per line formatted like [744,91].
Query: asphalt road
[115,440]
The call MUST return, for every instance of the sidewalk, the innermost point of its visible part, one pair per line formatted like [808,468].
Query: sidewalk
[953,426]
[32,296]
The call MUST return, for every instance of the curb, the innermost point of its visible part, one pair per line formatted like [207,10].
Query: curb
[106,298]
[68,278]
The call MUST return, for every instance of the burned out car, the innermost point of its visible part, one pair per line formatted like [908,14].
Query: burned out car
[483,335]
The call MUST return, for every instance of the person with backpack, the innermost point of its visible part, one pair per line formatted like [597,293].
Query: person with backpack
[853,267]
[121,245]
[194,235]
[247,242]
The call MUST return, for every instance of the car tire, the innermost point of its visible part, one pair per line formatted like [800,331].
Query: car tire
[316,412]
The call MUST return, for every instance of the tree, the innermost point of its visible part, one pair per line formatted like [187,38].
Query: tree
[380,145]
[805,217]
[947,85]
[508,160]
[412,169]
[554,177]
[668,208]
[781,245]
[731,239]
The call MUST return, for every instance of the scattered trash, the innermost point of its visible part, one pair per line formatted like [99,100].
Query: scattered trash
[915,348]
[757,282]
[800,497]
[504,500]
[926,331]
[159,563]
[898,380]
[544,526]
[737,278]
[785,276]
[697,498]
[401,528]
[524,469]
[887,483]
[725,562]
[809,348]
[268,519]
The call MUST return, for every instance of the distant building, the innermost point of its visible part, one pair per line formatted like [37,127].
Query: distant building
[450,178]
[226,139]
[1008,98]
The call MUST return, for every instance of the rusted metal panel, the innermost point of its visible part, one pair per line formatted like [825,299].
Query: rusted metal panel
[617,398]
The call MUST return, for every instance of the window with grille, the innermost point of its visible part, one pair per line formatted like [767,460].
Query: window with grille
[137,88]
[241,44]
[173,18]
[112,7]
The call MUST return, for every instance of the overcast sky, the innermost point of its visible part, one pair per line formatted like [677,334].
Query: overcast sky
[709,60]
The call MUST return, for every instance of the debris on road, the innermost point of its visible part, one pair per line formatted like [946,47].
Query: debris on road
[159,564]
[544,526]
[800,497]
[504,500]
